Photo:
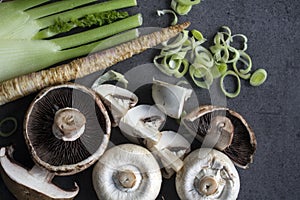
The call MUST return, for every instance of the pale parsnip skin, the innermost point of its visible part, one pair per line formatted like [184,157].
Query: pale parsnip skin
[21,86]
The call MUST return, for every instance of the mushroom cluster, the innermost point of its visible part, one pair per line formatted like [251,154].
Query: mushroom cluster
[141,124]
[67,129]
[207,172]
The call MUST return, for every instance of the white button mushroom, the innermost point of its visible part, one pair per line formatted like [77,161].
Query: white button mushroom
[170,98]
[207,174]
[142,122]
[125,172]
[141,125]
[170,149]
[118,100]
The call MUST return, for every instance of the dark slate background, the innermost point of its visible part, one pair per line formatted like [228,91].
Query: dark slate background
[272,109]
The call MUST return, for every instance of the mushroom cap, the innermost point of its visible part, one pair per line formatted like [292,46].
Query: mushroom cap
[170,98]
[207,174]
[243,144]
[59,156]
[123,158]
[24,184]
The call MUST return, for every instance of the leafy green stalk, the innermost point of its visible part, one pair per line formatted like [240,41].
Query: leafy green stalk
[99,45]
[20,57]
[56,7]
[98,33]
[98,19]
[23,5]
[81,12]
[21,53]
[17,23]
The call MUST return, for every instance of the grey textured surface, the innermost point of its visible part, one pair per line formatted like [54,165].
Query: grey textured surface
[272,109]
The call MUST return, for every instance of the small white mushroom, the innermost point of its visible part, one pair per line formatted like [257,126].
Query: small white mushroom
[170,98]
[127,171]
[170,149]
[207,174]
[34,184]
[142,122]
[118,100]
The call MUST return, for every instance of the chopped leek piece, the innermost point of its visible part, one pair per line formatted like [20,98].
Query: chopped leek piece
[163,12]
[222,68]
[197,35]
[188,2]
[238,89]
[178,41]
[245,59]
[111,75]
[201,75]
[244,38]
[180,9]
[183,9]
[258,77]
[13,129]
[203,56]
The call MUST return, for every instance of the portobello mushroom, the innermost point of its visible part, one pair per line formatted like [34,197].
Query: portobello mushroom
[225,130]
[66,128]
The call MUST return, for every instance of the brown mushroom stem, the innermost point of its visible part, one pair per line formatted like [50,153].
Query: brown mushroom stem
[69,124]
[127,179]
[207,185]
[220,133]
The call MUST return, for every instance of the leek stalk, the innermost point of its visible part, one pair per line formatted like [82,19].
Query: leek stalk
[23,33]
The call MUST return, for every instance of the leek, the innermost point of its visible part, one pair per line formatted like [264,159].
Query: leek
[28,27]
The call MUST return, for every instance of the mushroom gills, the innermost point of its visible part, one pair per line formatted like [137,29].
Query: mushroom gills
[118,100]
[142,124]
[34,184]
[170,98]
[225,130]
[207,174]
[67,128]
